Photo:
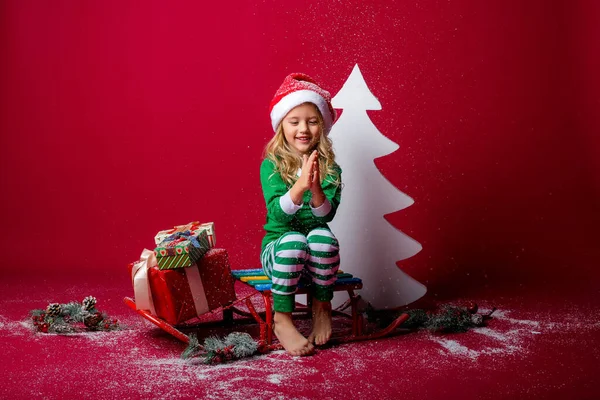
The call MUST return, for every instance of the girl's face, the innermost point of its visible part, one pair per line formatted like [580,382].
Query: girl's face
[301,128]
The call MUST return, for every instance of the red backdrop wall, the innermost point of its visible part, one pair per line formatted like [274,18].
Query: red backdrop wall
[121,119]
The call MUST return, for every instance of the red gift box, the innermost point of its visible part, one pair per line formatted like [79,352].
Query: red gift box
[182,294]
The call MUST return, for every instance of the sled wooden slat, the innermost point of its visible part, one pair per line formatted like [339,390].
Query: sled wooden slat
[261,282]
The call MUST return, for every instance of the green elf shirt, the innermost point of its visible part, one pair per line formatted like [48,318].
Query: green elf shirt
[285,216]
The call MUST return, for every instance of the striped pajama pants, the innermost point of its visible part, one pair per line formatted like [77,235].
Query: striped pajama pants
[293,255]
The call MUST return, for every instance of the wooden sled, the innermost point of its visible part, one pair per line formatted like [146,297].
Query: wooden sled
[259,285]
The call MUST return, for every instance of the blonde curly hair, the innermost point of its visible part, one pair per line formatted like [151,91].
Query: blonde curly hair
[287,161]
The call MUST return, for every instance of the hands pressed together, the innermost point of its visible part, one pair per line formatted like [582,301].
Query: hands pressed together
[310,179]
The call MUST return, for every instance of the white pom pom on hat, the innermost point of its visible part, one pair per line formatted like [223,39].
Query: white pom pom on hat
[298,89]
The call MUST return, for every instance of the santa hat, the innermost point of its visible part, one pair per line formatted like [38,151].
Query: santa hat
[298,89]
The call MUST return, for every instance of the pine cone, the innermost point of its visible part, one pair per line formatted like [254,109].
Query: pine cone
[93,320]
[89,303]
[53,309]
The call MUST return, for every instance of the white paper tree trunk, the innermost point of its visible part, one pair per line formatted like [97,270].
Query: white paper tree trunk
[369,245]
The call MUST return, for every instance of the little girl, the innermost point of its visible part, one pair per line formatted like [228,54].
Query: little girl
[302,188]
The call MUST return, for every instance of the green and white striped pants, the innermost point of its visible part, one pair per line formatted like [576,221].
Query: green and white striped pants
[284,261]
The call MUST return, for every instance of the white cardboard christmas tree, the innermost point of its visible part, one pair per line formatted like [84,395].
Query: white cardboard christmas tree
[369,245]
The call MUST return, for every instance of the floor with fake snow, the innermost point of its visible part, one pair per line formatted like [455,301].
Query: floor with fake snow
[529,350]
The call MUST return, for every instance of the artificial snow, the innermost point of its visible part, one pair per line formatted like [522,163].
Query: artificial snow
[142,361]
[275,378]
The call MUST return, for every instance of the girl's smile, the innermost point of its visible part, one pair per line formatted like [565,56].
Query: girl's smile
[302,128]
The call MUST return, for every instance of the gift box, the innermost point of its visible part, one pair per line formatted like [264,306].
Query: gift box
[182,249]
[209,227]
[178,295]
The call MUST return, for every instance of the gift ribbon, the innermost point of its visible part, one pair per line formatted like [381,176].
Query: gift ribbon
[141,285]
[187,235]
[160,236]
[192,273]
[197,289]
[180,228]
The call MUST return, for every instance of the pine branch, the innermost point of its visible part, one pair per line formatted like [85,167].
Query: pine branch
[194,348]
[216,350]
[449,318]
[213,343]
[243,344]
[74,310]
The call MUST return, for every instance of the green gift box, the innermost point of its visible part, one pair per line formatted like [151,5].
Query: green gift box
[182,249]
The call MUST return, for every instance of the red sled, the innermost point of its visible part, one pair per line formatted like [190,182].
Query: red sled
[180,296]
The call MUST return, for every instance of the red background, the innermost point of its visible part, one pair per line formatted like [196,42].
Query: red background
[120,119]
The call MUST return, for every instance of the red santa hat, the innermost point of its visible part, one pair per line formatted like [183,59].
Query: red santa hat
[298,89]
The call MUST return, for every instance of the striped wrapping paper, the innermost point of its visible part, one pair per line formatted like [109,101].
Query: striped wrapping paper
[181,253]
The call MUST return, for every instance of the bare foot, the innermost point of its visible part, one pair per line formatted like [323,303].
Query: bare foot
[321,315]
[289,337]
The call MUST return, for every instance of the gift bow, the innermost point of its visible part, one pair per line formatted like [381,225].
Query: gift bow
[181,236]
[187,227]
[141,285]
